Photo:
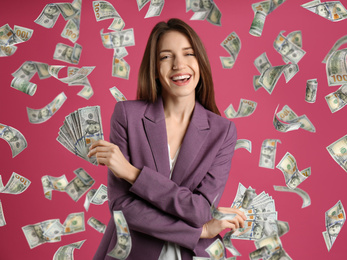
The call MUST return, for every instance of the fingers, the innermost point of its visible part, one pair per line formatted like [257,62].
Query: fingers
[233,210]
[100,143]
[97,149]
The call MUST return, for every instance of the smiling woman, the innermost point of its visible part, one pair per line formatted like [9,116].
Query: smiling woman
[170,152]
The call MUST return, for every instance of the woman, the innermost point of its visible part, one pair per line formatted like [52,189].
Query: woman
[170,152]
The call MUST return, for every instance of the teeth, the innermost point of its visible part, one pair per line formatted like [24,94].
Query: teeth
[181,77]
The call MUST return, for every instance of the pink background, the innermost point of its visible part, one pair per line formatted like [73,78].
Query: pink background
[45,156]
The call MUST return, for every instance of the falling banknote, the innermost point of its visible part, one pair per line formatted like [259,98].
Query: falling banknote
[123,247]
[288,49]
[66,252]
[104,10]
[50,183]
[304,195]
[268,153]
[333,11]
[96,224]
[338,150]
[246,108]
[244,143]
[14,138]
[117,94]
[9,38]
[334,220]
[17,184]
[67,53]
[38,116]
[2,215]
[338,99]
[79,185]
[205,10]
[96,196]
[311,90]
[232,45]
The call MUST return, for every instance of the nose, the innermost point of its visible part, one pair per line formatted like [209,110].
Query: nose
[178,63]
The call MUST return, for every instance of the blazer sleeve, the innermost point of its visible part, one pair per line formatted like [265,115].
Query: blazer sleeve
[140,215]
[191,207]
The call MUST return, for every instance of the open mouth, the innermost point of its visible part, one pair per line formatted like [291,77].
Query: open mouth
[181,78]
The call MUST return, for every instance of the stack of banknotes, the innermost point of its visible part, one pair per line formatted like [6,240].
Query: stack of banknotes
[80,129]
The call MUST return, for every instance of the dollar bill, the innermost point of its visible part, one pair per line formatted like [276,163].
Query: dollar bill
[71,30]
[216,250]
[96,224]
[14,138]
[335,47]
[239,196]
[67,53]
[141,3]
[23,33]
[204,10]
[244,143]
[290,51]
[258,22]
[116,39]
[338,99]
[7,50]
[333,11]
[283,227]
[256,84]
[48,16]
[338,151]
[17,184]
[227,62]
[335,217]
[42,70]
[232,45]
[216,214]
[77,187]
[336,68]
[104,10]
[74,223]
[66,252]
[117,94]
[120,68]
[54,230]
[304,195]
[96,196]
[7,36]
[155,8]
[34,233]
[38,116]
[120,52]
[311,90]
[262,62]
[268,153]
[228,245]
[296,38]
[24,86]
[2,215]
[123,247]
[50,183]
[26,71]
[215,15]
[79,75]
[293,177]
[266,247]
[254,230]
[87,91]
[246,108]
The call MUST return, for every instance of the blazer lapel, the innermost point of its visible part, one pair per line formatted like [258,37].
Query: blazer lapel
[155,128]
[194,138]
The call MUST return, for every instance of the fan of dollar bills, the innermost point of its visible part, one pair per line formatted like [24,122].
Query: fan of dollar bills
[80,129]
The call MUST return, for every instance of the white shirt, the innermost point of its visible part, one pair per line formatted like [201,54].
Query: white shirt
[171,251]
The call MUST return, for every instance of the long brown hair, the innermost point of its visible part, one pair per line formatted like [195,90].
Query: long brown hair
[148,88]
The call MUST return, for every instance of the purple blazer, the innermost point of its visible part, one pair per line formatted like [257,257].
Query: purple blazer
[156,208]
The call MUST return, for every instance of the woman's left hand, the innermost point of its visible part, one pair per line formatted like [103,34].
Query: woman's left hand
[109,154]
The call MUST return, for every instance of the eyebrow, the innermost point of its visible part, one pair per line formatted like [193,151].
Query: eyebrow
[184,49]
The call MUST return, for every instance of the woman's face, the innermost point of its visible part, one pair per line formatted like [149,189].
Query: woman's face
[177,67]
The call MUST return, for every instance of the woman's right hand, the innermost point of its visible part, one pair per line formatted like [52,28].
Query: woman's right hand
[213,227]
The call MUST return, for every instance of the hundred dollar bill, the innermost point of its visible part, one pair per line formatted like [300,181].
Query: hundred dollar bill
[56,229]
[34,233]
[267,6]
[38,116]
[333,11]
[215,15]
[120,68]
[96,224]
[268,153]
[227,62]
[104,10]
[216,250]
[311,90]
[256,84]
[8,36]
[48,16]
[232,45]
[96,196]
[244,143]
[335,47]
[295,37]
[204,10]
[24,86]
[77,187]
[80,74]
[17,184]
[71,30]
[26,71]
[304,195]
[270,76]
[155,8]
[258,22]
[228,245]
[246,108]
[2,215]
[87,91]
[338,150]
[266,247]
[282,127]
[338,99]
[67,53]
[74,223]
[262,62]
[290,51]
[42,70]
[23,33]
[50,183]
[216,214]
[335,217]
[123,247]
[254,230]
[66,252]
[336,68]
[293,177]
[14,138]
[239,196]
[7,50]
[116,39]
[117,94]
[141,3]
[283,227]
[120,52]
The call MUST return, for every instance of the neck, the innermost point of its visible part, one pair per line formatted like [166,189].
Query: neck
[180,109]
